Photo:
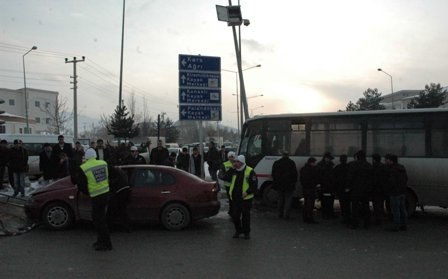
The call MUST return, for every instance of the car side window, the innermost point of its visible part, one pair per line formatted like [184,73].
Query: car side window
[145,178]
[167,178]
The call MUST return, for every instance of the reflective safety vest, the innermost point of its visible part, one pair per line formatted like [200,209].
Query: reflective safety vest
[97,176]
[247,172]
[227,166]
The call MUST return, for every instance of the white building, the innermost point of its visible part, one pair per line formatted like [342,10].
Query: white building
[39,102]
[401,99]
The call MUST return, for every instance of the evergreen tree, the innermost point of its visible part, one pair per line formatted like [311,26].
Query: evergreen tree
[121,125]
[371,101]
[432,97]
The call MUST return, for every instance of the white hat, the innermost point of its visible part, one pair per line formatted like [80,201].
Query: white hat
[90,153]
[134,148]
[241,159]
[231,154]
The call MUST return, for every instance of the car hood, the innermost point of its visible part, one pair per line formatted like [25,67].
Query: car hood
[63,183]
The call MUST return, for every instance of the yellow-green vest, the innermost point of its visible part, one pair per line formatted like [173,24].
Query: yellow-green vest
[97,176]
[247,172]
[227,166]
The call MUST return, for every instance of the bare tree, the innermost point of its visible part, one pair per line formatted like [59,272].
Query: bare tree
[58,115]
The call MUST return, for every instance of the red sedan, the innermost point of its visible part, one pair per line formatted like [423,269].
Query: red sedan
[158,193]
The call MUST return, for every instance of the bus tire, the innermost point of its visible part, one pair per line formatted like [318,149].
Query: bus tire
[270,196]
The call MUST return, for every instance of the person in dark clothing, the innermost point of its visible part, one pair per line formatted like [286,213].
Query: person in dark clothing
[343,193]
[46,163]
[19,166]
[327,185]
[223,153]
[396,188]
[242,189]
[102,152]
[195,162]
[309,178]
[284,175]
[183,160]
[158,154]
[360,184]
[225,167]
[120,195]
[213,160]
[380,174]
[134,158]
[171,160]
[58,160]
[91,179]
[78,154]
[4,159]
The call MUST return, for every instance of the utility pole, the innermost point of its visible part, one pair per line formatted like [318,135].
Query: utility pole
[75,98]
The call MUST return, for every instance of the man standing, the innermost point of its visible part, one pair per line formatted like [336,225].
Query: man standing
[213,160]
[183,160]
[359,182]
[102,152]
[78,154]
[326,181]
[242,189]
[134,158]
[380,173]
[46,163]
[4,159]
[93,180]
[284,175]
[158,154]
[397,184]
[195,162]
[19,166]
[62,147]
[225,167]
[340,175]
[309,178]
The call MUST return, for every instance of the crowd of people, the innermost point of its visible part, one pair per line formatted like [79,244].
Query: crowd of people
[354,184]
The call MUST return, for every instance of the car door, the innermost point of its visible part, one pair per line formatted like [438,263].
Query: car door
[151,189]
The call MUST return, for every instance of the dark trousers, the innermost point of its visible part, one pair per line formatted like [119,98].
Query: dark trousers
[360,212]
[241,215]
[11,177]
[2,174]
[117,212]
[378,206]
[327,205]
[284,203]
[99,208]
[230,200]
[344,202]
[308,207]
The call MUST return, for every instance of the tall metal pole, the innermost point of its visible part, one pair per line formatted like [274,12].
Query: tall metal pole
[391,86]
[75,98]
[121,60]
[237,103]
[27,129]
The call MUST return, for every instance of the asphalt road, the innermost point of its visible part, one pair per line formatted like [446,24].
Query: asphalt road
[277,249]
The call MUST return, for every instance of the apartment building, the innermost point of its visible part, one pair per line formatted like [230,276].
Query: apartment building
[40,102]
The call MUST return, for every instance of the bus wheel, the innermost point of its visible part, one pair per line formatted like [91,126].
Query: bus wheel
[270,196]
[411,203]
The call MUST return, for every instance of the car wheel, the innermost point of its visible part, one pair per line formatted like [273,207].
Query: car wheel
[58,216]
[175,217]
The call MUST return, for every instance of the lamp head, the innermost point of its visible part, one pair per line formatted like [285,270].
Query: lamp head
[34,48]
[379,69]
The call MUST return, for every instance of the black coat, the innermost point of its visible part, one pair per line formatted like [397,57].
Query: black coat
[397,180]
[18,160]
[326,176]
[360,175]
[47,165]
[309,178]
[284,174]
[158,156]
[341,177]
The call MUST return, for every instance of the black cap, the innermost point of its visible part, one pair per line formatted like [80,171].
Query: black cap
[328,155]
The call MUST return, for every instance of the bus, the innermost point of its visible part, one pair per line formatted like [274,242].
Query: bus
[33,143]
[419,137]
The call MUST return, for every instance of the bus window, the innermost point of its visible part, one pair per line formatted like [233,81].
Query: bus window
[402,136]
[251,142]
[278,137]
[298,139]
[439,137]
[338,136]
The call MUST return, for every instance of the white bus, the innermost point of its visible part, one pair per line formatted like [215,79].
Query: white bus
[419,137]
[33,143]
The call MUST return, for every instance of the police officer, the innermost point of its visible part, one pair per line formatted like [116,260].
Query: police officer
[93,180]
[242,189]
[226,166]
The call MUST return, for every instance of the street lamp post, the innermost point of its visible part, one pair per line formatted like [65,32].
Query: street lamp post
[391,86]
[238,99]
[27,129]
[252,110]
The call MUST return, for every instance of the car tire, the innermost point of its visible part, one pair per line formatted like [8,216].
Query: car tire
[58,216]
[175,217]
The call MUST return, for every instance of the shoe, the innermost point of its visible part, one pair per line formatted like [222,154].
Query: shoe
[246,236]
[236,235]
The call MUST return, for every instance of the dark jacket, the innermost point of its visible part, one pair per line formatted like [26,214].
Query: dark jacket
[380,177]
[183,161]
[47,165]
[284,174]
[67,149]
[341,177]
[213,158]
[326,176]
[18,160]
[158,156]
[139,160]
[106,155]
[360,175]
[309,178]
[397,180]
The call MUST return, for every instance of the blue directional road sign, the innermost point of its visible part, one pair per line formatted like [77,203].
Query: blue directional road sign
[199,87]
[198,112]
